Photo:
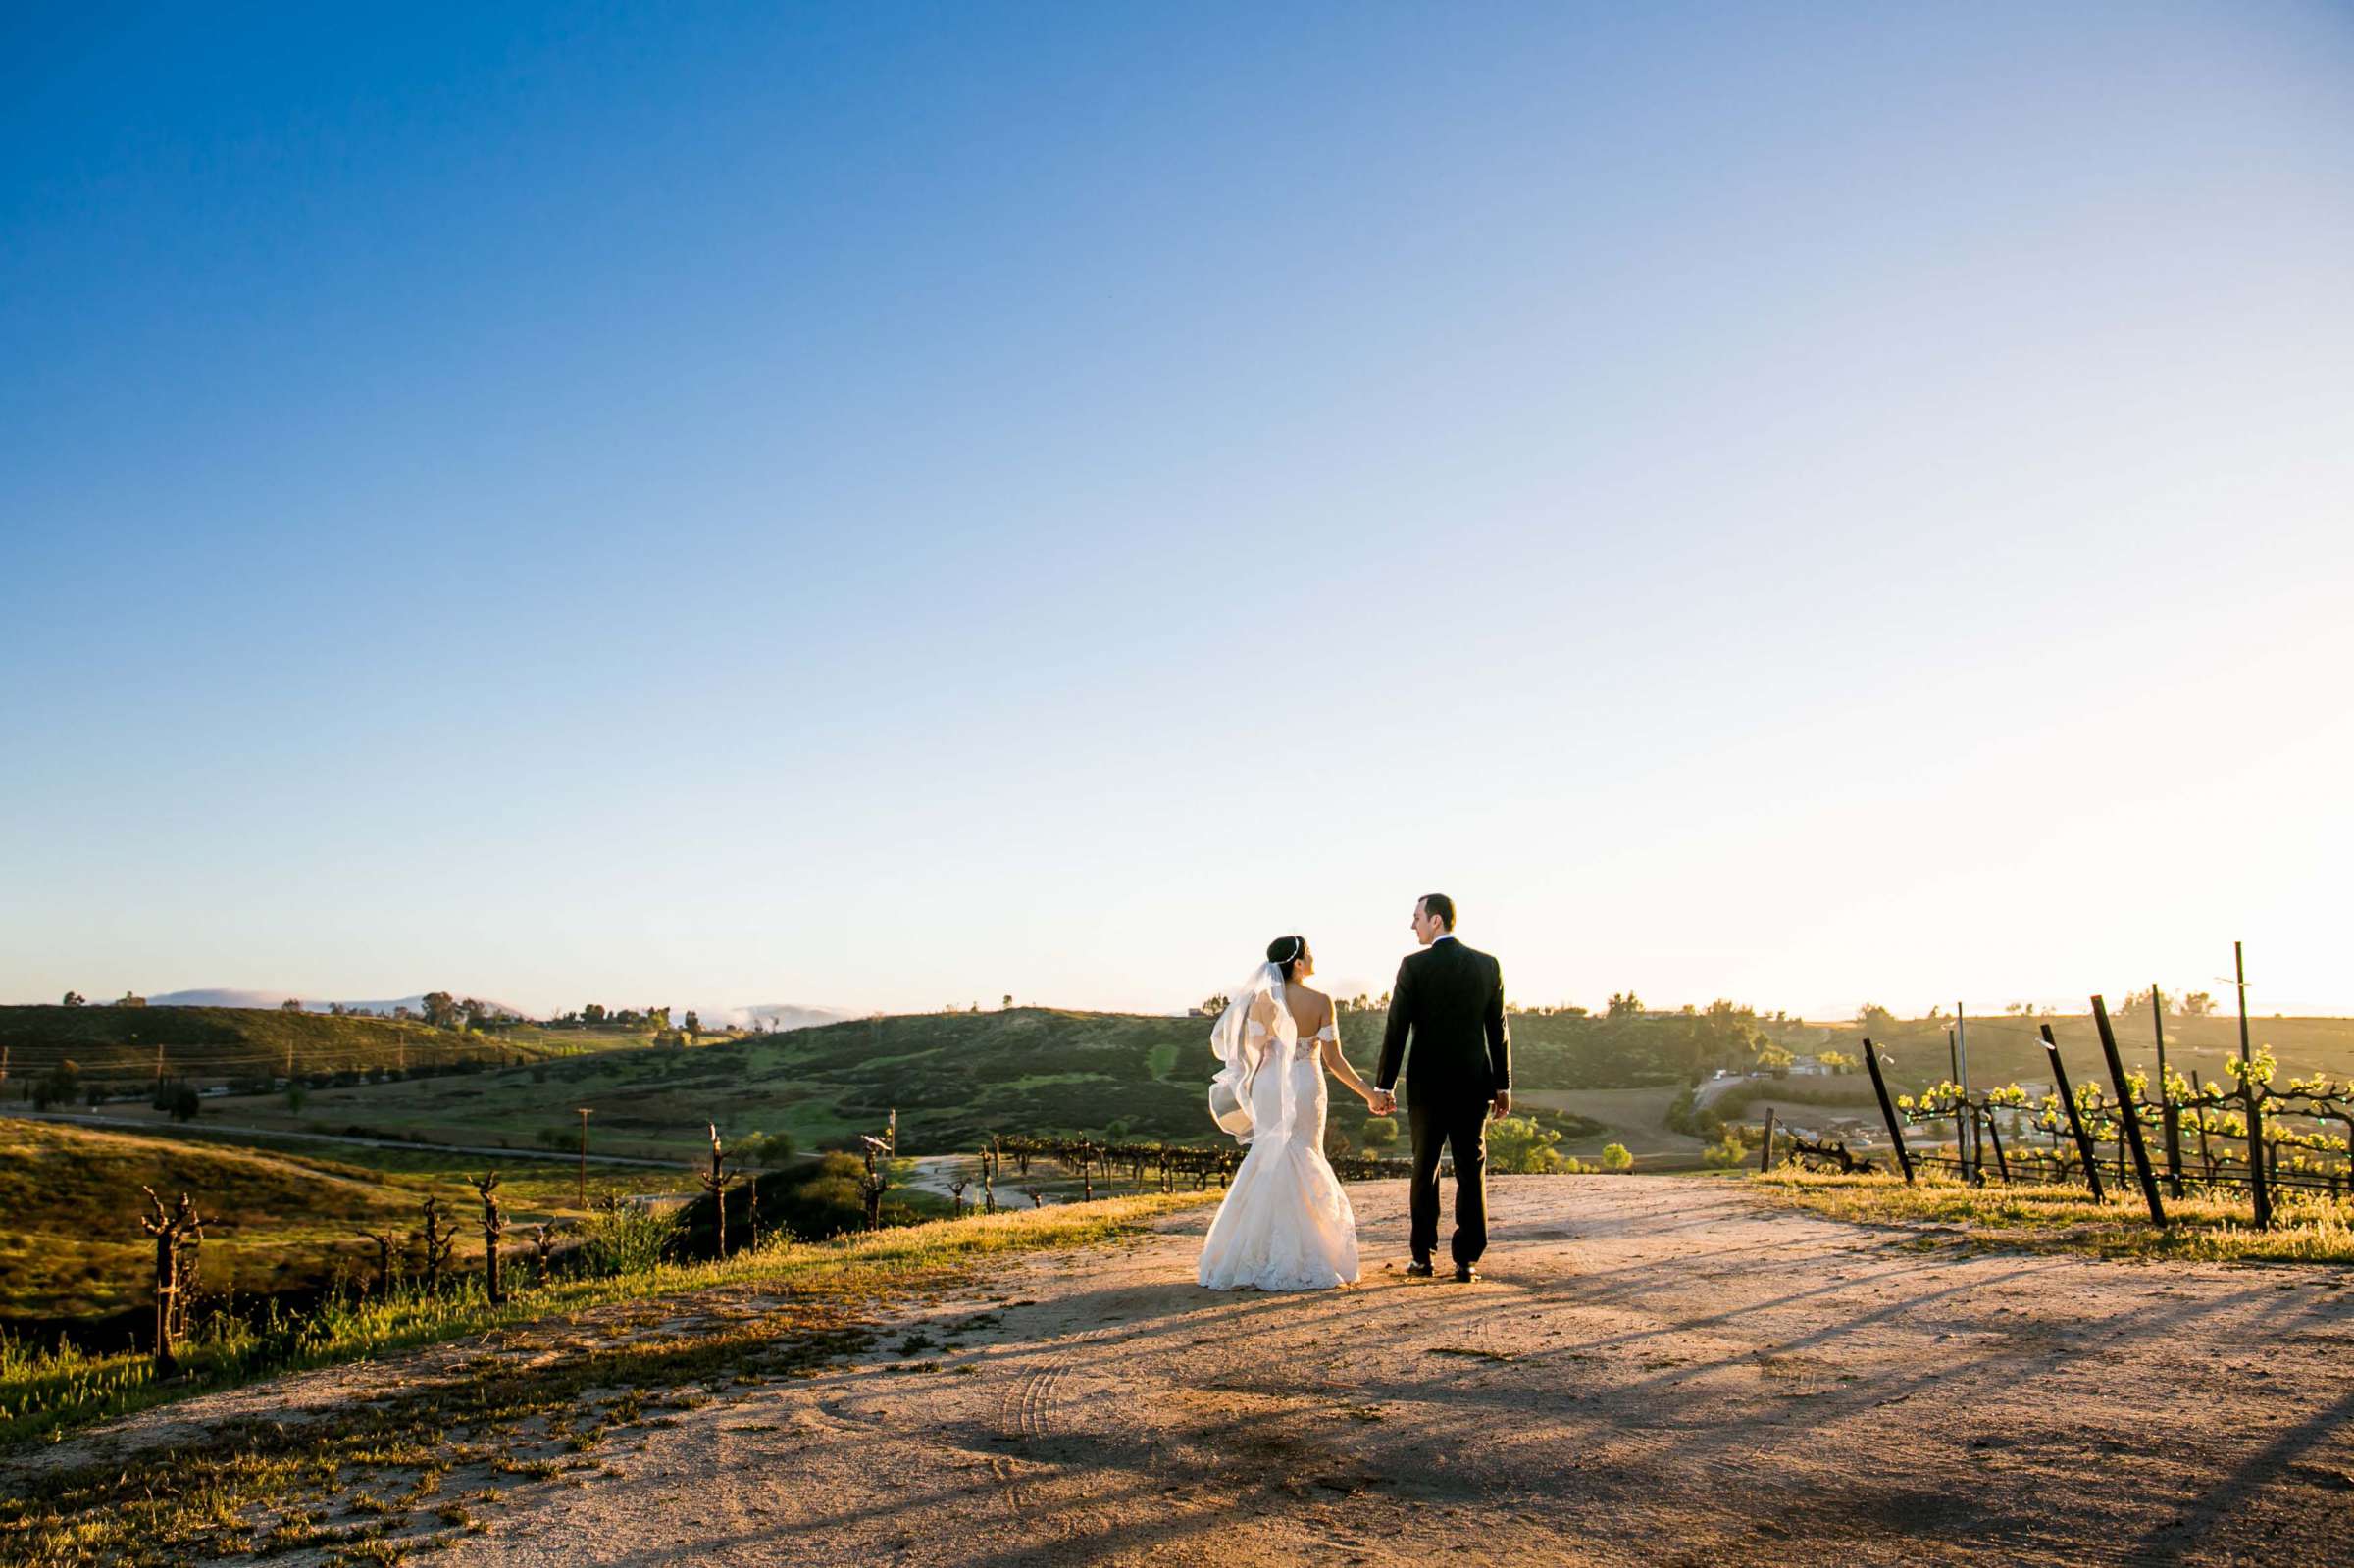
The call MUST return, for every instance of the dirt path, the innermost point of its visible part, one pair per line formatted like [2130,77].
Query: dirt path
[1659,1371]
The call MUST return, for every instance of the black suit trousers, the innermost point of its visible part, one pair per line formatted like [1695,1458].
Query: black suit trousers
[1460,1127]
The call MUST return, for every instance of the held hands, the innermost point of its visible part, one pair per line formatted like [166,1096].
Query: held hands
[1381,1101]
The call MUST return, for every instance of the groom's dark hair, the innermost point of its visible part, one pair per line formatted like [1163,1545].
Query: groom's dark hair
[1441,905]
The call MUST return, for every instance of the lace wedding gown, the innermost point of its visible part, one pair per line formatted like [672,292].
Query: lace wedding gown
[1286,1225]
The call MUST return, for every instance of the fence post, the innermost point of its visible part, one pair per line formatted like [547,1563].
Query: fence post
[1765,1154]
[2260,1186]
[1896,1131]
[1994,1136]
[2127,1110]
[2076,1119]
[2170,1119]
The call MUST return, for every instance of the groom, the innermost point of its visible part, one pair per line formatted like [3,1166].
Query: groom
[1450,999]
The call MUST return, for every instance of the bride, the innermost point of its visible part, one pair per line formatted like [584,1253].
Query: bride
[1286,1225]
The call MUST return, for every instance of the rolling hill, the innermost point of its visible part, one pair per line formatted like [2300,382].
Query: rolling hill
[214,1045]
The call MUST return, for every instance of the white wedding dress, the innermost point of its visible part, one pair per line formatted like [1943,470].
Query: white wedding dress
[1286,1225]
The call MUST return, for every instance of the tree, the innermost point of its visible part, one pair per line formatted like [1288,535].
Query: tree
[1626,1004]
[1839,1061]
[442,1010]
[475,1012]
[1875,1019]
[1008,1002]
[2198,1004]
[60,1086]
[1213,1006]
[75,998]
[293,1004]
[1518,1145]
[1379,1133]
[183,1101]
[769,1150]
[695,1024]
[594,1013]
[128,1000]
[1775,1060]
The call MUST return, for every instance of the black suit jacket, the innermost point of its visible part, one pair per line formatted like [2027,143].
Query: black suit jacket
[1450,999]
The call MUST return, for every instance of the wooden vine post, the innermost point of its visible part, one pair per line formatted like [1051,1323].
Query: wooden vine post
[957,1194]
[876,1181]
[1994,1139]
[383,1261]
[2254,1096]
[2170,1118]
[494,1224]
[2075,1116]
[715,1182]
[2128,1113]
[438,1240]
[1765,1149]
[1896,1131]
[177,1233]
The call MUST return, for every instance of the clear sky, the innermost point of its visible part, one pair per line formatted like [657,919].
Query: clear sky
[882,506]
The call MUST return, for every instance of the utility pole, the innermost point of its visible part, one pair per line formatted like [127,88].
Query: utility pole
[2257,1182]
[584,1112]
[2170,1120]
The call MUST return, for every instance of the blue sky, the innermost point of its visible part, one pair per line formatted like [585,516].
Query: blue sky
[886,505]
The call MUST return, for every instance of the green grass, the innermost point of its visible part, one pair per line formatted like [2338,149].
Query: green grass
[572,1368]
[2217,1228]
[273,1220]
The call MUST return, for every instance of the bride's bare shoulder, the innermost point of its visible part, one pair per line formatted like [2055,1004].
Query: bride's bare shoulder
[1324,1003]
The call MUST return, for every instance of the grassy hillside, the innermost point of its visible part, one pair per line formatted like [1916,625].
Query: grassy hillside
[214,1045]
[2005,1049]
[73,1248]
[954,1078]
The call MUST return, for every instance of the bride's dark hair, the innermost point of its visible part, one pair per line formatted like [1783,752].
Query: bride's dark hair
[1287,952]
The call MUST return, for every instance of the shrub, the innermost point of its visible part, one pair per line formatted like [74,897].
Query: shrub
[628,1240]
[1518,1145]
[1614,1157]
[1378,1133]
[1728,1151]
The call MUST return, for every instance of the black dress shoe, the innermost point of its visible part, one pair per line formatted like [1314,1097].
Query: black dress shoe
[1464,1274]
[1420,1269]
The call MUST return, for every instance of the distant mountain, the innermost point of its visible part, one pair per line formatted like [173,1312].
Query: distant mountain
[222,996]
[776,1016]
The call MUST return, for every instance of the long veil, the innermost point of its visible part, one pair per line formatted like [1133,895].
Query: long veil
[1253,1034]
